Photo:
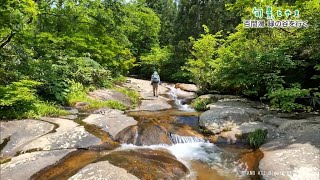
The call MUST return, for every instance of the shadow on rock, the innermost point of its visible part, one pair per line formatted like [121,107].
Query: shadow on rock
[148,164]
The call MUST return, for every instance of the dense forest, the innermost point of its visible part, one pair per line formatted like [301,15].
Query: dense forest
[54,51]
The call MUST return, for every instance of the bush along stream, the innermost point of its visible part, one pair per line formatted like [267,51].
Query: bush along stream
[159,138]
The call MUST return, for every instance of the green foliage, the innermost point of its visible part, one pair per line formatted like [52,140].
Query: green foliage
[155,60]
[78,93]
[15,16]
[119,80]
[19,100]
[167,12]
[315,99]
[257,138]
[204,51]
[45,109]
[109,103]
[200,104]
[132,94]
[249,62]
[285,98]
[92,42]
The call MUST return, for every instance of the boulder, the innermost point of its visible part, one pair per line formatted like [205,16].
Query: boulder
[221,118]
[148,164]
[111,121]
[147,133]
[238,133]
[187,87]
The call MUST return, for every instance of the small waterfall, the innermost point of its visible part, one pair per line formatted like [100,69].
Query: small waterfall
[176,139]
[135,137]
[173,93]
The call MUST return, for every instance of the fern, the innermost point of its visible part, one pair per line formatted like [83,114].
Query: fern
[257,138]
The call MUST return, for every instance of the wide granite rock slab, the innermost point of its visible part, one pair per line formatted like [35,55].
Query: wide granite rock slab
[68,135]
[21,133]
[295,153]
[25,165]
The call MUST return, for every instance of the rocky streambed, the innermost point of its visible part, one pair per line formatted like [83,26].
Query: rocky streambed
[161,139]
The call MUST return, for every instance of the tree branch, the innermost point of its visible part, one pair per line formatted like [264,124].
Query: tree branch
[284,30]
[8,39]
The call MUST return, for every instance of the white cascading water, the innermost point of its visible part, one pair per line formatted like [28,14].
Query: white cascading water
[176,139]
[188,149]
[206,153]
[173,93]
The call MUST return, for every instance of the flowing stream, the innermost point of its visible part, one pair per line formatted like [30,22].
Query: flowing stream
[204,160]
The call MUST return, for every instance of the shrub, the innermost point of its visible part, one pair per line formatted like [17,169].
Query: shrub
[45,109]
[79,94]
[200,104]
[133,95]
[17,98]
[257,138]
[285,98]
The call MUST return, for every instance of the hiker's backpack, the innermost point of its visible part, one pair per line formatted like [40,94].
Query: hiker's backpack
[155,78]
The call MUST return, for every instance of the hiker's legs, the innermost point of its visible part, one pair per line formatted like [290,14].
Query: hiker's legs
[157,89]
[154,89]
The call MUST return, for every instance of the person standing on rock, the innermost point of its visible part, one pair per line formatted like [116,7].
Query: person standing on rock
[155,81]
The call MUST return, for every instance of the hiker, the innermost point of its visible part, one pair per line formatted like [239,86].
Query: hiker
[155,81]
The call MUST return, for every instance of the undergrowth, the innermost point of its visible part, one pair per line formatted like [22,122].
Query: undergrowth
[133,95]
[200,104]
[79,94]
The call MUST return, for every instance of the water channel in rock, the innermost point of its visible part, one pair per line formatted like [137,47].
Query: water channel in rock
[174,130]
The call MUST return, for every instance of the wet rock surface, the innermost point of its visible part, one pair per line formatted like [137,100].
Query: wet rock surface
[103,170]
[25,165]
[148,164]
[111,121]
[21,133]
